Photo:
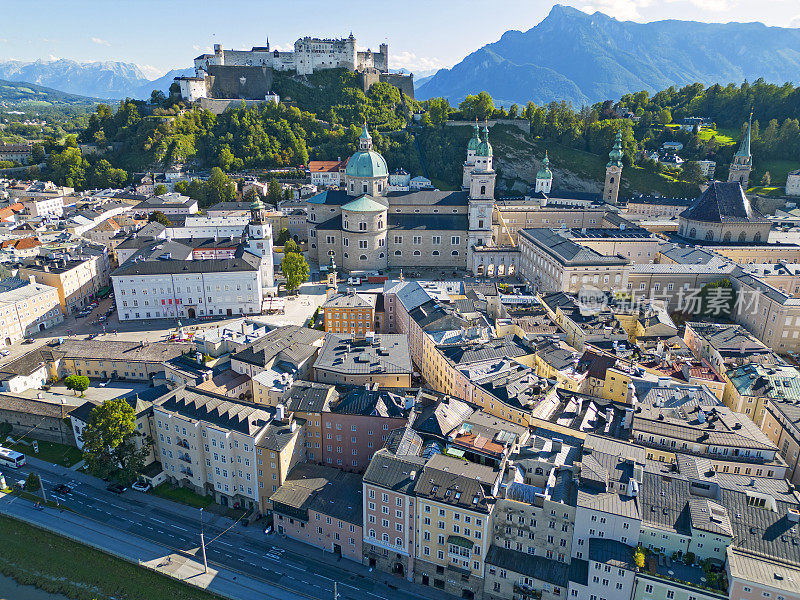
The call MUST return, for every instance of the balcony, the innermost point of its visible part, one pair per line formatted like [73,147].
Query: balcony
[526,592]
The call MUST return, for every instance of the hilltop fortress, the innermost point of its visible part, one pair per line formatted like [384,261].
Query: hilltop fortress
[248,74]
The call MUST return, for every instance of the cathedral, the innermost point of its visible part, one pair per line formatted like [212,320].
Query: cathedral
[365,227]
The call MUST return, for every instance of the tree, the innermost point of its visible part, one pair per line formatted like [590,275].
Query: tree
[665,116]
[219,188]
[33,483]
[157,97]
[159,217]
[295,269]
[160,189]
[112,447]
[77,383]
[37,154]
[766,180]
[692,172]
[274,191]
[283,236]
[290,246]
[477,107]
[638,557]
[438,111]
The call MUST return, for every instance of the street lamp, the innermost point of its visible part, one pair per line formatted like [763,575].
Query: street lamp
[203,543]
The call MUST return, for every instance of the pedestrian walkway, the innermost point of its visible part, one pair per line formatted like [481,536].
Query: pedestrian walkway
[78,465]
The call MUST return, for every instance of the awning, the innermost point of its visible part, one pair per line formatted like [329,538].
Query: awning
[457,452]
[103,292]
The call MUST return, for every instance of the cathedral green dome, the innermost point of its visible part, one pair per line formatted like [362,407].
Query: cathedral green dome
[367,163]
[544,172]
[475,140]
[484,147]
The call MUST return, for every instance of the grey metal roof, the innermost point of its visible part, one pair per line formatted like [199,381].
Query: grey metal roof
[414,222]
[530,565]
[396,473]
[216,409]
[290,342]
[429,197]
[611,552]
[567,252]
[389,353]
[309,397]
[456,482]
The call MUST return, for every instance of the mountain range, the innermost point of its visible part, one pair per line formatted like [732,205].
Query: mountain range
[108,80]
[583,58]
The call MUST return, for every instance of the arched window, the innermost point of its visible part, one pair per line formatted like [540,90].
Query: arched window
[435,253]
[380,224]
[611,180]
[362,257]
[381,255]
[345,254]
[483,190]
[757,237]
[727,237]
[398,253]
[742,237]
[693,233]
[417,253]
[709,235]
[454,253]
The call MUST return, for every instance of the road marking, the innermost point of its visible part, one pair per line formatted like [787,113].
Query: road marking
[248,551]
[181,528]
[157,520]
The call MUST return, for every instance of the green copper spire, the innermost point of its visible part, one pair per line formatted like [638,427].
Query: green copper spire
[485,148]
[615,156]
[744,147]
[475,140]
[544,172]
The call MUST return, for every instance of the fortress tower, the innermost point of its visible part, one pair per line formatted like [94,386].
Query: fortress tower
[613,171]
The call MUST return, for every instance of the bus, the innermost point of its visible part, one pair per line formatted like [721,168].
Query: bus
[11,458]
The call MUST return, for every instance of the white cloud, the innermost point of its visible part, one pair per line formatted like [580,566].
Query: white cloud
[624,10]
[100,42]
[52,57]
[709,5]
[794,21]
[196,48]
[412,62]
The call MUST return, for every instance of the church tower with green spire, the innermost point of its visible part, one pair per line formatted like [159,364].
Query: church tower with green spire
[544,178]
[742,163]
[613,171]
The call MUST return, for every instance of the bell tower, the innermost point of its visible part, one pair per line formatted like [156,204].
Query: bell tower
[481,197]
[544,178]
[613,171]
[742,163]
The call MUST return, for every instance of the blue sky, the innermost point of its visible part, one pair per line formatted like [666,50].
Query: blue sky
[422,34]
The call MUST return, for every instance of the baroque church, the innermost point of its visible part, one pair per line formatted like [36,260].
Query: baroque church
[365,227]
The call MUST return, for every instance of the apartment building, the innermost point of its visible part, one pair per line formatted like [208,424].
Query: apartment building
[382,359]
[138,361]
[321,506]
[781,424]
[769,314]
[77,280]
[725,345]
[308,401]
[169,204]
[208,443]
[26,308]
[358,423]
[278,450]
[750,385]
[455,500]
[389,512]
[351,313]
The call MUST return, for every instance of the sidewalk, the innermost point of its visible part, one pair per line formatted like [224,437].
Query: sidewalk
[223,582]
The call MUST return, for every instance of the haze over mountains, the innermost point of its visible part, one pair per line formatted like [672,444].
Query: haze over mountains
[107,79]
[586,58]
[570,56]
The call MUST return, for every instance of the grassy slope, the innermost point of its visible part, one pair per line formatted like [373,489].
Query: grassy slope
[36,557]
[15,91]
[58,454]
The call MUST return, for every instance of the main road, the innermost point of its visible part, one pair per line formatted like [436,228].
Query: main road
[285,563]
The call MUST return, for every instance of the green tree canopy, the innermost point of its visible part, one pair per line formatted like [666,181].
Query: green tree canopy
[219,187]
[290,246]
[480,106]
[77,383]
[160,189]
[112,447]
[159,217]
[274,192]
[295,269]
[283,236]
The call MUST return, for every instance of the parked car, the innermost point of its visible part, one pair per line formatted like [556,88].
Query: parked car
[62,488]
[354,281]
[27,340]
[117,488]
[104,383]
[141,486]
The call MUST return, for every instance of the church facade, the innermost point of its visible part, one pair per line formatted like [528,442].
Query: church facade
[366,227]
